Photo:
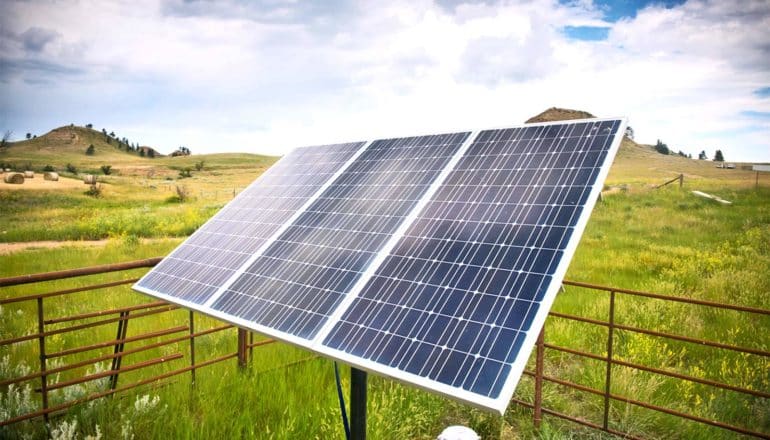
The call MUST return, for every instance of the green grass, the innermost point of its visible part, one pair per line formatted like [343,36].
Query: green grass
[666,241]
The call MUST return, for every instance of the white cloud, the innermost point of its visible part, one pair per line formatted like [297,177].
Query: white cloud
[227,76]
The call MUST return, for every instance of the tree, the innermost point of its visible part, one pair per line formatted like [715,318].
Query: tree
[112,134]
[107,169]
[71,168]
[630,132]
[141,152]
[29,135]
[6,137]
[718,157]
[150,153]
[89,125]
[661,148]
[90,150]
[702,155]
[199,165]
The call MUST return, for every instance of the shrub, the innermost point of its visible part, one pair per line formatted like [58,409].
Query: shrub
[90,150]
[71,168]
[107,169]
[185,172]
[182,194]
[48,168]
[94,190]
[199,165]
[661,148]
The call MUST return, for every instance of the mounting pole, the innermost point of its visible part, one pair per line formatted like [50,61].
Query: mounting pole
[357,404]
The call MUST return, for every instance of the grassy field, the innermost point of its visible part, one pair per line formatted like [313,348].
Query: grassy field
[665,240]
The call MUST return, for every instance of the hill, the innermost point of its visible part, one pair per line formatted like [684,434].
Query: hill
[638,163]
[559,114]
[69,144]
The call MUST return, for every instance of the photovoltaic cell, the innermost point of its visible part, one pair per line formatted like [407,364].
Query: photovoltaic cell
[300,279]
[457,304]
[195,270]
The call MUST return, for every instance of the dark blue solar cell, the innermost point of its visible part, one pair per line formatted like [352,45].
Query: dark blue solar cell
[470,272]
[321,255]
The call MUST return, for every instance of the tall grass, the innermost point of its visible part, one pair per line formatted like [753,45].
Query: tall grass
[666,241]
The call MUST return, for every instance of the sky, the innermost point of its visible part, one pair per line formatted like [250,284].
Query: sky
[266,76]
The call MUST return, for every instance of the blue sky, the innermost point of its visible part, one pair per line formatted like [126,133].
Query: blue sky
[265,76]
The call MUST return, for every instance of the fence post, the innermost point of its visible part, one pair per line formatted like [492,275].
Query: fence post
[608,377]
[192,348]
[681,180]
[242,347]
[43,357]
[251,346]
[540,352]
[117,360]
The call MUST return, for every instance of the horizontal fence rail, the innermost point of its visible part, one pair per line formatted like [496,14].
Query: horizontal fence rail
[180,341]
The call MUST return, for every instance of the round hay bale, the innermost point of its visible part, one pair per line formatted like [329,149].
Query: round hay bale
[29,174]
[7,170]
[51,176]
[89,179]
[14,178]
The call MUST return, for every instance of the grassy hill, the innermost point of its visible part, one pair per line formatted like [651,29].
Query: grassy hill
[640,164]
[68,145]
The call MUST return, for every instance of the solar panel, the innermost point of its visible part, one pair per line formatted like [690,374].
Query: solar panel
[299,280]
[431,259]
[458,302]
[201,265]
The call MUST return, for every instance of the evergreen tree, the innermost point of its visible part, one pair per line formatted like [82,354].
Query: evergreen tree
[718,157]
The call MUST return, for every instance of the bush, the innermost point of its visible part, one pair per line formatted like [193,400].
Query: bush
[90,151]
[107,169]
[661,148]
[95,190]
[185,172]
[71,168]
[199,165]
[48,168]
[182,195]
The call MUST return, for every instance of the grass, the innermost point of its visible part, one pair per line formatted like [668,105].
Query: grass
[665,240]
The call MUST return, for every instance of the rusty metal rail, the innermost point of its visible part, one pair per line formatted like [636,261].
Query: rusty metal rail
[89,320]
[611,360]
[246,345]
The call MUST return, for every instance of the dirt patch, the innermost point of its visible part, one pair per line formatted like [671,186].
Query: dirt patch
[9,248]
[38,183]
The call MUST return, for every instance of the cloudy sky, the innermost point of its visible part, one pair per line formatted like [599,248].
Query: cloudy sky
[265,76]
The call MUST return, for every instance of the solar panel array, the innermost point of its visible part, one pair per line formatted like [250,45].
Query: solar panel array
[430,259]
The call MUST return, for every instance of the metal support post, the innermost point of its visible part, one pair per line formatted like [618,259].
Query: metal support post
[243,342]
[117,360]
[540,352]
[357,404]
[192,348]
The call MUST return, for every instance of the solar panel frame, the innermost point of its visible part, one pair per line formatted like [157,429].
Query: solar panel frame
[500,403]
[497,404]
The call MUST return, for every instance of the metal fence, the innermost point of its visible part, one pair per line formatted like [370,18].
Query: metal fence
[183,338]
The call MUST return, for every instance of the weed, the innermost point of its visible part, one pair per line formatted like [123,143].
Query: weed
[94,190]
